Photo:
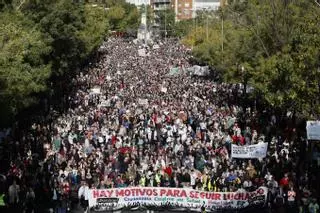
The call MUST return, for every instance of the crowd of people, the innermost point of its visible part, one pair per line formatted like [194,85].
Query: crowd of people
[130,123]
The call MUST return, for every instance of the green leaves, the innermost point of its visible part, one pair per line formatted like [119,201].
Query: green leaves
[166,18]
[22,70]
[278,44]
[45,41]
[123,17]
[95,28]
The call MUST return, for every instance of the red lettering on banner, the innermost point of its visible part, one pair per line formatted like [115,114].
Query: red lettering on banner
[102,193]
[217,196]
[169,193]
[109,192]
[246,196]
[134,192]
[149,192]
[127,192]
[236,196]
[155,193]
[241,196]
[95,193]
[173,192]
[196,194]
[176,193]
[183,193]
[203,195]
[141,192]
[191,195]
[162,192]
[119,193]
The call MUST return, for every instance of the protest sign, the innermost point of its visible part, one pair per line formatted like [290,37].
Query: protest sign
[142,52]
[174,71]
[155,47]
[313,130]
[199,70]
[252,151]
[174,197]
[143,101]
[164,89]
[95,90]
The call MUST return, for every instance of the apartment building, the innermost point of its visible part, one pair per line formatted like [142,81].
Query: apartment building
[160,4]
[186,9]
[183,9]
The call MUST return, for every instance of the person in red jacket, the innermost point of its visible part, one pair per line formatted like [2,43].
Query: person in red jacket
[284,182]
[168,170]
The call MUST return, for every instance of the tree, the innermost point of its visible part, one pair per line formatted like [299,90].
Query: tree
[123,17]
[287,72]
[44,42]
[62,27]
[116,15]
[132,17]
[182,28]
[166,19]
[271,45]
[23,72]
[95,28]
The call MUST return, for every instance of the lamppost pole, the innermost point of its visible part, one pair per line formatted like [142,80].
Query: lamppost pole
[222,35]
[207,26]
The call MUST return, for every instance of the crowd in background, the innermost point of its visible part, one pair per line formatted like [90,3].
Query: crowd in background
[130,123]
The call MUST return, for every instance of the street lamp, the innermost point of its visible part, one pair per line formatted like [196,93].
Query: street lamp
[244,78]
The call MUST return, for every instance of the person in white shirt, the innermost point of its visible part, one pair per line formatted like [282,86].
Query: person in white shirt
[14,191]
[193,178]
[247,184]
[83,195]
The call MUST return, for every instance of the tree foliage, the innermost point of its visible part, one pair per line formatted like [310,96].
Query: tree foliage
[166,19]
[44,41]
[22,69]
[94,34]
[123,17]
[276,42]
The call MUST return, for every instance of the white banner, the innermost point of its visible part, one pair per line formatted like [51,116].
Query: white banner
[143,101]
[142,52]
[95,90]
[252,151]
[116,198]
[313,130]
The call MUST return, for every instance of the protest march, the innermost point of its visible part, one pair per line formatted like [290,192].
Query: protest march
[187,198]
[133,135]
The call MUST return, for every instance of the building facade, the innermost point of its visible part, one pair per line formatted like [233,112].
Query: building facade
[138,2]
[207,4]
[160,4]
[183,9]
[187,9]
